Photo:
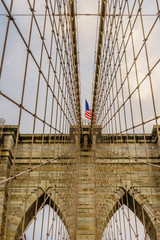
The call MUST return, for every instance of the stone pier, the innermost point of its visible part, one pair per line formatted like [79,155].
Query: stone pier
[86,201]
[88,225]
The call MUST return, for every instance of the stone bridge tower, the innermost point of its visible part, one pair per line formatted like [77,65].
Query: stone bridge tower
[94,181]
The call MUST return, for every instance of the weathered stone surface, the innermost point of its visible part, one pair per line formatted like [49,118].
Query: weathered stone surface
[102,183]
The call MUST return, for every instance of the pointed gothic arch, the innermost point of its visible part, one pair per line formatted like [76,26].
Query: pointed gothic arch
[127,199]
[30,213]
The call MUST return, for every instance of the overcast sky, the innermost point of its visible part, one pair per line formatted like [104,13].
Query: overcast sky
[13,67]
[87,26]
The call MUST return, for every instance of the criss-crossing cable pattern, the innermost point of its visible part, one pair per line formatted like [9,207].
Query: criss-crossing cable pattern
[126,105]
[40,85]
[59,180]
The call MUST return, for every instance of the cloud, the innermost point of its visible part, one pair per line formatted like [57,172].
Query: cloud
[87,26]
[14,63]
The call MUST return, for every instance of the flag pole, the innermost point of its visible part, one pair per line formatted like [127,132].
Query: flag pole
[85,111]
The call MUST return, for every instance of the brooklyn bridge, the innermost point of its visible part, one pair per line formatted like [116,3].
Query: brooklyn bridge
[67,171]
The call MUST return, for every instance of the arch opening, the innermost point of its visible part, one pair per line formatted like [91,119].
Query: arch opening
[125,225]
[128,220]
[48,225]
[45,224]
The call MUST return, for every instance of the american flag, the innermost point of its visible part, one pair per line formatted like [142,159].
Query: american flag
[88,111]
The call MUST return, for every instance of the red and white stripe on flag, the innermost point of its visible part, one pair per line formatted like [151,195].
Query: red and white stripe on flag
[88,114]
